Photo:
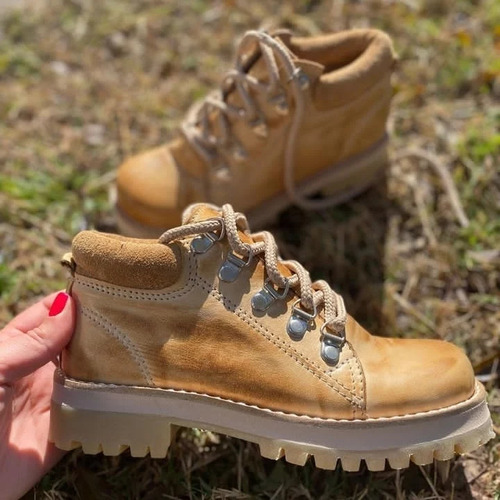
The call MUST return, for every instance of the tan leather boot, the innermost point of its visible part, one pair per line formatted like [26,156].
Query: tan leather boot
[294,117]
[208,328]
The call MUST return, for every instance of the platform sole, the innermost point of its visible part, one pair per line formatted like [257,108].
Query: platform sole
[109,419]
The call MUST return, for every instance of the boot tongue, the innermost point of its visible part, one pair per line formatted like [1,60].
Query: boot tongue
[199,212]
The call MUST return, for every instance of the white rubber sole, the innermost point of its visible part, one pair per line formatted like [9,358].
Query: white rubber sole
[111,418]
[340,182]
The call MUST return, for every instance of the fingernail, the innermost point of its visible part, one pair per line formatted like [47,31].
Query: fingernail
[58,304]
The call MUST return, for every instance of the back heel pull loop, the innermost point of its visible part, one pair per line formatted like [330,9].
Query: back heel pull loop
[68,262]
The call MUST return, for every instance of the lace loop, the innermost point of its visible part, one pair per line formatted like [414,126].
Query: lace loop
[210,134]
[197,127]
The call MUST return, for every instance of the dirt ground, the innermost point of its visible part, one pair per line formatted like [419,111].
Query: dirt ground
[84,84]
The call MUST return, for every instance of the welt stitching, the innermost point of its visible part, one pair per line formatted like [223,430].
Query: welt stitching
[269,336]
[122,338]
[280,412]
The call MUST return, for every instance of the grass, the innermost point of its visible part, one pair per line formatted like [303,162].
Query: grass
[84,84]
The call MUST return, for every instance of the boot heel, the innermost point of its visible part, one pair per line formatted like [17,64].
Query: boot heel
[110,433]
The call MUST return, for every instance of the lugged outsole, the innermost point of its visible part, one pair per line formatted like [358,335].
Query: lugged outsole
[152,434]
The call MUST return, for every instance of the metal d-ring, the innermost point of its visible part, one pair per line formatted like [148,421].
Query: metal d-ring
[232,266]
[331,345]
[280,102]
[205,241]
[299,321]
[263,299]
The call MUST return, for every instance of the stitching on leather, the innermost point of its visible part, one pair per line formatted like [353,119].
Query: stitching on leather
[193,277]
[281,412]
[347,362]
[141,295]
[122,338]
[357,377]
[360,381]
[243,315]
[354,382]
[332,371]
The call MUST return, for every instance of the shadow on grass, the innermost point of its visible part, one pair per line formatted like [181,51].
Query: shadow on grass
[344,245]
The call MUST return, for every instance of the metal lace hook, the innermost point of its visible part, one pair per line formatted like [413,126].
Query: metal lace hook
[205,241]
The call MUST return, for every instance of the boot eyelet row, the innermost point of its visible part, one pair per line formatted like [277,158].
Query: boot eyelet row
[299,321]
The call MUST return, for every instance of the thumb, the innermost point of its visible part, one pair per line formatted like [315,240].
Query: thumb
[23,352]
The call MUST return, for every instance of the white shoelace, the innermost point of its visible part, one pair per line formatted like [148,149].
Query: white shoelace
[312,294]
[198,126]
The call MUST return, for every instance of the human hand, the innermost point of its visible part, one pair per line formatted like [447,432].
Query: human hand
[29,345]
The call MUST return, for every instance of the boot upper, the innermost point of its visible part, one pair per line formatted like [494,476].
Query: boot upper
[323,102]
[153,313]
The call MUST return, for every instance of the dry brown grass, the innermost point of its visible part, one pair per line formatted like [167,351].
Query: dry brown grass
[83,84]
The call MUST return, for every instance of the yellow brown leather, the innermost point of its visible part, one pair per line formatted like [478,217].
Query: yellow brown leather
[200,334]
[346,108]
[120,260]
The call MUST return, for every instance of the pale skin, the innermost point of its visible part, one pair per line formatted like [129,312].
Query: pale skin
[29,345]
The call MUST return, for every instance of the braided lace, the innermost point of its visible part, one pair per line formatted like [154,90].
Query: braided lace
[312,294]
[213,142]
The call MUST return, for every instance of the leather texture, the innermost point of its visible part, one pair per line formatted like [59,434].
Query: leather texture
[201,334]
[346,108]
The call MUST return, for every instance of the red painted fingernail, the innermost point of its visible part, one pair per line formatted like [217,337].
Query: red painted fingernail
[58,304]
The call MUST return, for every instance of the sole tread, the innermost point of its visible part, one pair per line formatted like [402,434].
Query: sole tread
[323,459]
[112,433]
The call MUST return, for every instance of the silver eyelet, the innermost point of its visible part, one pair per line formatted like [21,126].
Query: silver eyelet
[303,80]
[259,127]
[331,345]
[239,153]
[280,103]
[222,172]
[204,242]
[299,321]
[263,299]
[232,266]
[301,77]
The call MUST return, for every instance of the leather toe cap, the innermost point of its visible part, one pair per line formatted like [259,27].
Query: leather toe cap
[407,376]
[148,189]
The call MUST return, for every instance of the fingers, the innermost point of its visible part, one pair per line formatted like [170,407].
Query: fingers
[24,353]
[33,316]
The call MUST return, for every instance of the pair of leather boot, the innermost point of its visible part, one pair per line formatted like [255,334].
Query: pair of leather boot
[206,326]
